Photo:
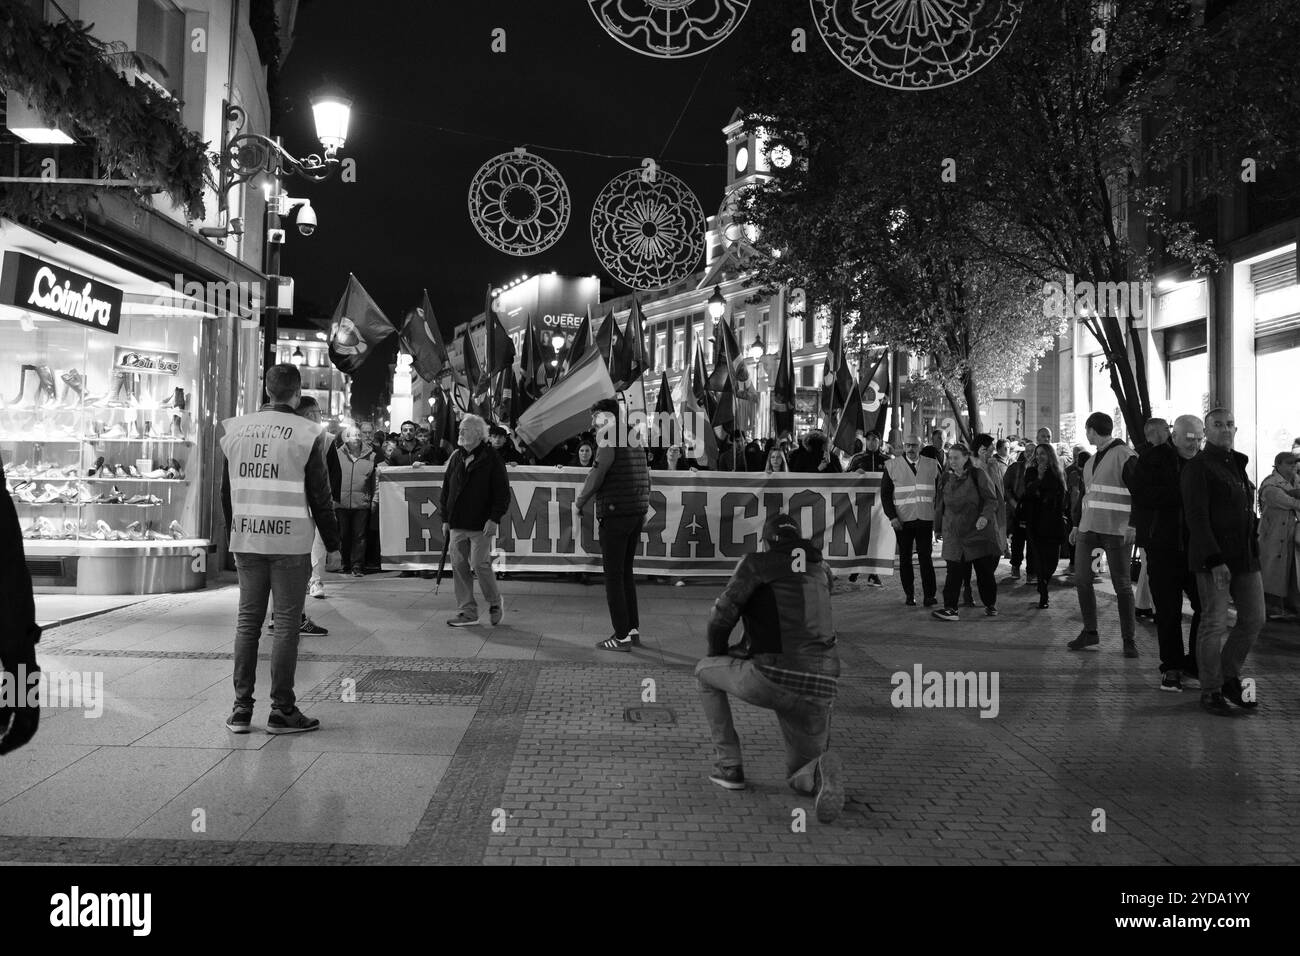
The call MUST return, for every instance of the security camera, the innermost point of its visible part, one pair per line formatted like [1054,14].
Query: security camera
[306,219]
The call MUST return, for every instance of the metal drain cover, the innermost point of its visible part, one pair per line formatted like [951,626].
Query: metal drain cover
[651,714]
[450,683]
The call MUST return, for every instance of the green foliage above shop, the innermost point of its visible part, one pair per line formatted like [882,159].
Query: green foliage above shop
[72,79]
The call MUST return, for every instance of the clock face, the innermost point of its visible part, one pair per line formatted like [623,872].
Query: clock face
[780,157]
[742,159]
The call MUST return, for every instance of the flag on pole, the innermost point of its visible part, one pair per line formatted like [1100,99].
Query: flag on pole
[698,408]
[875,394]
[565,409]
[836,377]
[422,338]
[469,360]
[358,325]
[728,362]
[846,432]
[632,360]
[783,399]
[609,339]
[444,421]
[582,341]
[500,352]
[532,363]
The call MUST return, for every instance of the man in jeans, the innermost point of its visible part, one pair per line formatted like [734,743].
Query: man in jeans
[275,492]
[620,482]
[475,496]
[1223,551]
[786,662]
[1103,523]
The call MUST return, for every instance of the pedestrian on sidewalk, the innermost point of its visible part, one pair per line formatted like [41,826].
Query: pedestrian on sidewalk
[309,409]
[935,449]
[620,483]
[1045,510]
[872,458]
[785,662]
[965,516]
[1279,537]
[275,494]
[907,491]
[1155,433]
[19,632]
[1156,486]
[1013,486]
[1223,550]
[475,496]
[352,480]
[1104,524]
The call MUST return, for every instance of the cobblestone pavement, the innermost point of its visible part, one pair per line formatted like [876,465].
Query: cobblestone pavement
[512,745]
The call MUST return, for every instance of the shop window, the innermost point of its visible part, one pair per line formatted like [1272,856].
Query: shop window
[679,355]
[160,36]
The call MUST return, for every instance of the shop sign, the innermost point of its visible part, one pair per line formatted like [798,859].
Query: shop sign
[46,289]
[146,361]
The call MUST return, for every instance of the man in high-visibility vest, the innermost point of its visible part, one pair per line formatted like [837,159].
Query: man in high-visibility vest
[275,492]
[1104,524]
[907,497]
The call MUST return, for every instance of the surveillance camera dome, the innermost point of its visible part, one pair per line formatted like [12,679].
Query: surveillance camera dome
[306,220]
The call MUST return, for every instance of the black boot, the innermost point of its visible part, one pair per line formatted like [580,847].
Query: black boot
[73,382]
[22,384]
[46,393]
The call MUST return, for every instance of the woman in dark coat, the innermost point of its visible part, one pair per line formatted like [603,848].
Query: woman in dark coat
[1046,510]
[965,518]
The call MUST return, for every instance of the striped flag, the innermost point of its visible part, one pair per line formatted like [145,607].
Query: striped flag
[565,409]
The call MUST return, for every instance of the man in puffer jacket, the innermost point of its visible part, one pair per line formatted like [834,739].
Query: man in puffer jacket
[786,662]
[352,479]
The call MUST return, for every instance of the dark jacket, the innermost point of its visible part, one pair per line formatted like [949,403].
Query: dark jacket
[408,453]
[1219,506]
[929,451]
[475,489]
[963,498]
[1044,506]
[1155,486]
[786,612]
[619,481]
[809,460]
[18,630]
[320,495]
[869,461]
[1013,485]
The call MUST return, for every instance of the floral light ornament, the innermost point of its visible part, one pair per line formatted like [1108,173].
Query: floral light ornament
[647,234]
[669,29]
[519,203]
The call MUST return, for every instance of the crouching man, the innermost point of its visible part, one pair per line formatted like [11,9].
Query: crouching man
[786,662]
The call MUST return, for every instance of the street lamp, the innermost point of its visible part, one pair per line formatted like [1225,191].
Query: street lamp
[297,358]
[758,348]
[717,303]
[557,341]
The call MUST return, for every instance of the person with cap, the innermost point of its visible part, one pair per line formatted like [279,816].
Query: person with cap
[499,439]
[1223,552]
[785,662]
[1279,546]
[907,490]
[620,484]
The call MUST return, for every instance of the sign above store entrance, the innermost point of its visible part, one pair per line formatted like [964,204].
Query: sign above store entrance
[38,286]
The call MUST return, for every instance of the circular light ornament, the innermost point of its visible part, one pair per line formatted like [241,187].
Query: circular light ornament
[916,44]
[519,203]
[669,29]
[647,233]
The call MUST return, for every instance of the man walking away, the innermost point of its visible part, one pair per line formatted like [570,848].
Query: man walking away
[620,483]
[785,662]
[475,496]
[1156,485]
[1223,550]
[907,490]
[275,493]
[1103,523]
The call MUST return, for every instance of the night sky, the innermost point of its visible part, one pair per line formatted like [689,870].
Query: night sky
[412,66]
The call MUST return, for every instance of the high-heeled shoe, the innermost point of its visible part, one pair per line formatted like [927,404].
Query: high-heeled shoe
[178,428]
[22,385]
[176,530]
[99,463]
[132,532]
[175,400]
[73,383]
[135,430]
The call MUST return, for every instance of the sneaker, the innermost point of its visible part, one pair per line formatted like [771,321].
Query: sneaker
[945,614]
[358,573]
[911,601]
[1145,614]
[1086,641]
[853,577]
[1130,649]
[634,636]
[311,628]
[317,590]
[1232,692]
[495,612]
[930,601]
[873,581]
[1013,577]
[239,721]
[613,643]
[1191,681]
[1215,704]
[829,802]
[292,722]
[679,583]
[728,778]
[990,612]
[462,620]
[1172,682]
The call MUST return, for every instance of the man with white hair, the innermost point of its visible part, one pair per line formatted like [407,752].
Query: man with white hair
[475,495]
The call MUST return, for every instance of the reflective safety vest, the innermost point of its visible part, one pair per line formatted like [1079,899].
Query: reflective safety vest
[267,454]
[913,493]
[1107,505]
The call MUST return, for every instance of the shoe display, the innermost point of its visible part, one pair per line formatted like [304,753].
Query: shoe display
[176,530]
[73,383]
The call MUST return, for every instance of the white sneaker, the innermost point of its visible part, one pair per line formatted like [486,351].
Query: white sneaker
[316,590]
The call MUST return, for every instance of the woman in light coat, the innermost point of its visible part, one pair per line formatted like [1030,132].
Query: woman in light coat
[1279,553]
[965,518]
